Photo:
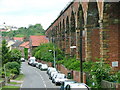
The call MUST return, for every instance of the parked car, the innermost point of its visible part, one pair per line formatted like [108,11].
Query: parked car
[74,86]
[22,60]
[52,74]
[51,70]
[38,65]
[34,64]
[60,78]
[65,83]
[44,67]
[31,60]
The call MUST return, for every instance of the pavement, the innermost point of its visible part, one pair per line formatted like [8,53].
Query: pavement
[35,78]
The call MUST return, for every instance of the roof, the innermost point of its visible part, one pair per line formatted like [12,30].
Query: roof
[18,38]
[37,40]
[25,45]
[17,43]
[11,42]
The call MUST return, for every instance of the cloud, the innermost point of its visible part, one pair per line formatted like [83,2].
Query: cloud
[25,12]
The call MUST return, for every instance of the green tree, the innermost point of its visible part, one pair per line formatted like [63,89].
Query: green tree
[42,52]
[13,67]
[15,55]
[36,29]
[26,53]
[5,53]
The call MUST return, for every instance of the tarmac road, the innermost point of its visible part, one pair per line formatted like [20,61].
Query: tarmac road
[35,78]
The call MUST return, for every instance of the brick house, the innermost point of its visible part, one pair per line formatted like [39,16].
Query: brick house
[36,41]
[24,45]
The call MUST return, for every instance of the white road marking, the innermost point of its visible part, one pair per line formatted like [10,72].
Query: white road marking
[42,79]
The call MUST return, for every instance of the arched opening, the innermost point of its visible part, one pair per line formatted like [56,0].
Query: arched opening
[72,22]
[60,38]
[73,33]
[93,37]
[67,36]
[63,35]
[80,26]
[92,14]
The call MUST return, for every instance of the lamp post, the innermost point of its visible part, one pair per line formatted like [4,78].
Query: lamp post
[81,71]
[54,58]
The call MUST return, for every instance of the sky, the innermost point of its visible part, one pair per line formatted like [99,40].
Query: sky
[22,13]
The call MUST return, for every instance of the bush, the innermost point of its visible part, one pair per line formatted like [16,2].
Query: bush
[114,77]
[14,71]
[42,52]
[13,67]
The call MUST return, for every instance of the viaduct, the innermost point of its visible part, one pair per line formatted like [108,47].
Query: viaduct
[96,23]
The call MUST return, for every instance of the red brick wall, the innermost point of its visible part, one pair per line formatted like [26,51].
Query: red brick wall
[113,44]
[95,44]
[76,74]
[48,63]
[64,70]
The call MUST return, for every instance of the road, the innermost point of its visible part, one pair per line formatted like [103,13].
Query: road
[35,78]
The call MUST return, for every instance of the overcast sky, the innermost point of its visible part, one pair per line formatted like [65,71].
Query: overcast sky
[22,13]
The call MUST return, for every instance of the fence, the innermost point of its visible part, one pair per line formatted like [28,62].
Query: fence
[107,84]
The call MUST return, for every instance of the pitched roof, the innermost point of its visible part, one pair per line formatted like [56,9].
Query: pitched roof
[37,40]
[18,38]
[25,45]
[11,42]
[17,43]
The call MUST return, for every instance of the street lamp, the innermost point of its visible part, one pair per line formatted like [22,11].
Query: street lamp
[54,56]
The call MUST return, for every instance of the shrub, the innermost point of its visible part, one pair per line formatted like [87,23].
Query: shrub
[42,52]
[14,71]
[12,66]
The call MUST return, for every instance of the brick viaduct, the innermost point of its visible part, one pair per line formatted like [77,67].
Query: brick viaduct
[99,22]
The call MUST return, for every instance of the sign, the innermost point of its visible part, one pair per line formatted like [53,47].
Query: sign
[115,64]
[72,46]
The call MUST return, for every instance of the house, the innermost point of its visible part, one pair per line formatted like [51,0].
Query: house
[18,38]
[10,43]
[24,45]
[17,44]
[36,41]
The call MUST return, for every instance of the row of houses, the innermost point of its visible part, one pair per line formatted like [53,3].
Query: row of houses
[7,28]
[96,23]
[20,43]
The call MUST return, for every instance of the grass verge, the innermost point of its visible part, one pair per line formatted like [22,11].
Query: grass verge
[10,88]
[20,77]
[14,83]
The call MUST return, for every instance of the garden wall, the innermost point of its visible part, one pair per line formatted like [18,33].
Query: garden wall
[106,84]
[76,74]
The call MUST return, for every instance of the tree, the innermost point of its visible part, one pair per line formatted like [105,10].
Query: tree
[15,55]
[42,52]
[5,53]
[26,53]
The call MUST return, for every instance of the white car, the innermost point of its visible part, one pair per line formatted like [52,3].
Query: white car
[44,67]
[38,65]
[60,78]
[51,70]
[22,60]
[34,63]
[77,86]
[52,74]
[65,83]
[31,60]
